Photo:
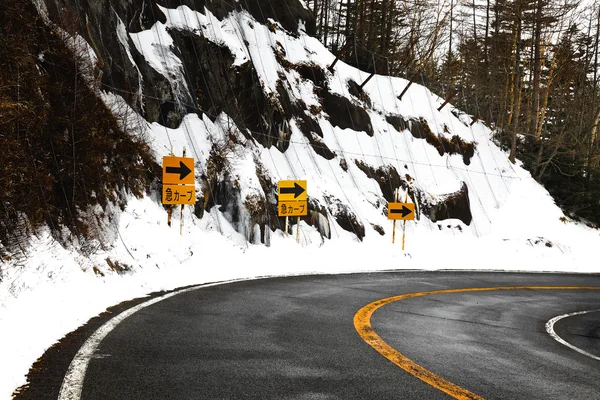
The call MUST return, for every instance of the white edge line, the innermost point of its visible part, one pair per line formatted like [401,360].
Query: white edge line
[72,384]
[550,330]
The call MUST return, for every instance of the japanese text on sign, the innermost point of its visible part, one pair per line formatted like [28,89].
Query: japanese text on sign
[178,194]
[292,208]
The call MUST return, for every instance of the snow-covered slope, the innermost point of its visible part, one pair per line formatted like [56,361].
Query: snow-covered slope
[475,209]
[492,182]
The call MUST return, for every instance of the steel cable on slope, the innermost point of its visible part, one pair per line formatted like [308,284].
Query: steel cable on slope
[340,150]
[395,158]
[347,94]
[243,41]
[430,100]
[58,169]
[79,12]
[448,165]
[230,89]
[391,86]
[409,183]
[384,111]
[197,108]
[407,145]
[309,150]
[423,142]
[307,146]
[487,141]
[126,116]
[375,135]
[284,153]
[481,162]
[41,194]
[412,106]
[74,49]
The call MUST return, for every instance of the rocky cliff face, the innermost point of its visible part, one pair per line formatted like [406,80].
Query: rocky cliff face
[106,25]
[169,59]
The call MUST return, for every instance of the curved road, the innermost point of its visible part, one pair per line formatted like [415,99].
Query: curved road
[294,338]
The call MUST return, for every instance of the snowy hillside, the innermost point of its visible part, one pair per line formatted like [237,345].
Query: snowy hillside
[353,146]
[350,162]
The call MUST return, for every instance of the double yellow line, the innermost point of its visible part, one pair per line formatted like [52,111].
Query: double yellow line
[362,323]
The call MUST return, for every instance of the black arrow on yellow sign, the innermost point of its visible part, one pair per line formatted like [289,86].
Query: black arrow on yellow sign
[182,170]
[404,211]
[297,190]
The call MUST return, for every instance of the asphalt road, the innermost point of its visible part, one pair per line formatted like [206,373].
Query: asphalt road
[294,338]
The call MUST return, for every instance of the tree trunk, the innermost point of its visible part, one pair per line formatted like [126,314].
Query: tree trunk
[451,20]
[542,116]
[486,37]
[596,50]
[594,140]
[538,161]
[537,67]
[547,162]
[326,22]
[516,92]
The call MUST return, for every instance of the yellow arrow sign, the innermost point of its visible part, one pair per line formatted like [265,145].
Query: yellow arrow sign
[292,208]
[291,191]
[403,211]
[178,170]
[178,194]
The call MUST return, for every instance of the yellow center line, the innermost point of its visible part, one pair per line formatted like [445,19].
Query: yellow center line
[362,323]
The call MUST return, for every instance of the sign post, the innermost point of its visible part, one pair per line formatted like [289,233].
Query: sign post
[178,183]
[404,221]
[183,205]
[401,211]
[394,223]
[292,202]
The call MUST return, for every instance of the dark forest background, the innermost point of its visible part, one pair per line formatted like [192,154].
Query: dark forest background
[528,68]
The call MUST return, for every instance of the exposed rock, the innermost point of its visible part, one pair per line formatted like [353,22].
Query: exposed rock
[287,12]
[419,129]
[355,90]
[397,121]
[312,131]
[269,188]
[313,73]
[259,216]
[345,217]
[387,178]
[98,22]
[451,206]
[317,217]
[379,229]
[344,164]
[345,114]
